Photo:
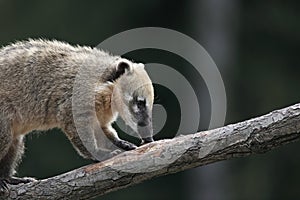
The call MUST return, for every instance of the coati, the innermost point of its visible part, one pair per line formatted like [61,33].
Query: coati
[37,79]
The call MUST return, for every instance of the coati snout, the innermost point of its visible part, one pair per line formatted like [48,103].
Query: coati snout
[133,99]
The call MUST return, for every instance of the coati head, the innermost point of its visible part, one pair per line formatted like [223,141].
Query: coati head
[133,97]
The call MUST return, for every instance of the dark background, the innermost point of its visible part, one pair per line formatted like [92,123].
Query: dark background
[256,46]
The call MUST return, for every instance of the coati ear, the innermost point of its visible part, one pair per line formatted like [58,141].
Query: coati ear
[122,66]
[141,65]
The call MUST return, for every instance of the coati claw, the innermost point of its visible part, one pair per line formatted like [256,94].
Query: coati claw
[17,180]
[116,152]
[3,187]
[125,145]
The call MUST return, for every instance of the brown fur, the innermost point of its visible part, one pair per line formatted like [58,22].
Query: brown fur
[36,89]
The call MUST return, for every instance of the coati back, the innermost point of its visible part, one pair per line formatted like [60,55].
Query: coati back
[36,93]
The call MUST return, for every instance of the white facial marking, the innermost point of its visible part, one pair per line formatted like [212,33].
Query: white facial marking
[141,98]
[128,97]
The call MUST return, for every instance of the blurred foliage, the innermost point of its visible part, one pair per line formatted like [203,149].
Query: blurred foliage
[265,77]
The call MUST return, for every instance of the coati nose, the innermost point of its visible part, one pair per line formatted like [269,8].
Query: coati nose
[147,140]
[146,132]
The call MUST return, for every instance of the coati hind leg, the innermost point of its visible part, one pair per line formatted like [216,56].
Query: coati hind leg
[6,139]
[9,163]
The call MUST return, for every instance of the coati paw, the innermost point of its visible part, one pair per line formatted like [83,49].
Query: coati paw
[17,180]
[125,145]
[4,182]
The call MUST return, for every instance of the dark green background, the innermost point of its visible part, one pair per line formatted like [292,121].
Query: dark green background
[263,76]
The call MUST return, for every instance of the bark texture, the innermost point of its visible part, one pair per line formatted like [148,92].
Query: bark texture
[163,157]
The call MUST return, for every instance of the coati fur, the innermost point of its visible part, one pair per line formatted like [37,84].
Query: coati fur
[37,91]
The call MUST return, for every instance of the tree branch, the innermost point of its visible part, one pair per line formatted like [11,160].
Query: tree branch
[164,157]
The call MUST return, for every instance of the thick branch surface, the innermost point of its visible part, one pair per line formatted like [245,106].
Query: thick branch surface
[164,157]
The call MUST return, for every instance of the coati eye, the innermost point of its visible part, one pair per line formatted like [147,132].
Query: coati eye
[141,102]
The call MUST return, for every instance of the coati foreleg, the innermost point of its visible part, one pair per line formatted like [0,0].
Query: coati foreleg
[92,144]
[112,135]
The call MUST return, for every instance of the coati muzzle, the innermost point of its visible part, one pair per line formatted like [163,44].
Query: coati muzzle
[145,130]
